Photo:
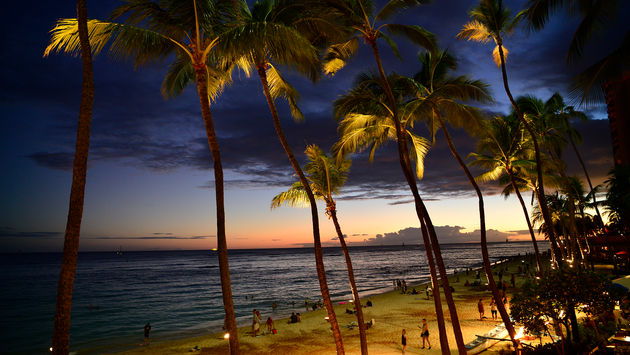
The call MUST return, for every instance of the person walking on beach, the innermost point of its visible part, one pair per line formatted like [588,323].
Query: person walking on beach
[147,331]
[306,304]
[404,340]
[425,333]
[493,309]
[480,308]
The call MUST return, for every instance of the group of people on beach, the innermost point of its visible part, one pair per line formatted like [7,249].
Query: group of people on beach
[257,319]
[424,333]
[400,285]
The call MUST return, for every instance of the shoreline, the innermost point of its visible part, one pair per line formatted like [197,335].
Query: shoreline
[392,312]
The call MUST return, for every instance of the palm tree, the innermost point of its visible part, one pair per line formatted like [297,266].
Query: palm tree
[274,32]
[546,124]
[367,123]
[439,99]
[617,202]
[360,17]
[63,309]
[326,176]
[503,150]
[152,31]
[565,114]
[491,21]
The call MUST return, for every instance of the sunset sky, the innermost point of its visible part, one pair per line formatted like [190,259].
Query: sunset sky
[150,184]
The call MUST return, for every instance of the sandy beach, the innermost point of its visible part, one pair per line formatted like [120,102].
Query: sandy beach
[392,311]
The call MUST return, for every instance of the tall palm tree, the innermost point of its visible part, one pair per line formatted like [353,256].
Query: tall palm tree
[277,32]
[565,115]
[152,31]
[439,99]
[361,18]
[326,176]
[367,123]
[492,21]
[503,150]
[548,127]
[63,309]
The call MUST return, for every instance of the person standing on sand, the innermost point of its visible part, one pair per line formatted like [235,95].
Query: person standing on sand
[404,340]
[147,331]
[480,308]
[255,323]
[425,333]
[306,304]
[493,309]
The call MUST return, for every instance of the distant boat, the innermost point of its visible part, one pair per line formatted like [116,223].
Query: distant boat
[214,249]
[119,251]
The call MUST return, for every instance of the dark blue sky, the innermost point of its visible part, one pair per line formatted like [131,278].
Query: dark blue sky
[149,160]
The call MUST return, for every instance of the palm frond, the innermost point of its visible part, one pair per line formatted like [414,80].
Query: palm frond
[392,45]
[418,151]
[180,73]
[496,55]
[586,86]
[295,196]
[475,31]
[65,36]
[279,87]
[416,34]
[539,11]
[597,15]
[394,6]
[338,54]
[491,175]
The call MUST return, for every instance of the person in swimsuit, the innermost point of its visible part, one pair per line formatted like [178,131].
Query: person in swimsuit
[493,309]
[425,333]
[404,340]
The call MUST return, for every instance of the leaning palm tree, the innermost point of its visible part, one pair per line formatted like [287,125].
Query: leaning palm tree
[281,33]
[363,21]
[439,98]
[502,150]
[492,21]
[63,309]
[326,177]
[152,31]
[367,123]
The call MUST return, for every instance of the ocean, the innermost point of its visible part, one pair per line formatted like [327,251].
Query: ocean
[179,292]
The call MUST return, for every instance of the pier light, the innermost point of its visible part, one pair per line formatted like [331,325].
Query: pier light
[50,349]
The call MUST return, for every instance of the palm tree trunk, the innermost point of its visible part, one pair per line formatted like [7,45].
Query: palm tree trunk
[63,309]
[353,286]
[588,179]
[423,215]
[319,260]
[222,251]
[529,224]
[484,244]
[541,187]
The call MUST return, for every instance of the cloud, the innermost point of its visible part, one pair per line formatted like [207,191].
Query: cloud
[445,234]
[7,232]
[168,237]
